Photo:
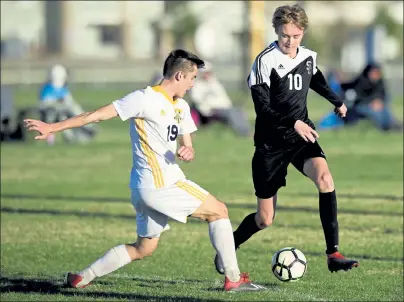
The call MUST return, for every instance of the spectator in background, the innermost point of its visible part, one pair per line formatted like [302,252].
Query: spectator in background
[11,127]
[369,99]
[366,98]
[57,103]
[211,103]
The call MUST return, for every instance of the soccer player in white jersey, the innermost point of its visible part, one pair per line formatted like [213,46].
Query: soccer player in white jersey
[280,79]
[158,116]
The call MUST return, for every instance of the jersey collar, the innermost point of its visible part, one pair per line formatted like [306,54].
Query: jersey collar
[159,89]
[277,47]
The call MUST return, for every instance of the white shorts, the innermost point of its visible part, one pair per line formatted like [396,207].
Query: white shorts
[155,206]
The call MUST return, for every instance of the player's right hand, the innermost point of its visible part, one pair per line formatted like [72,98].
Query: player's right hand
[306,132]
[43,128]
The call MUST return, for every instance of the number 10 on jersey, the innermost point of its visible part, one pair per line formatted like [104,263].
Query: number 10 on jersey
[295,81]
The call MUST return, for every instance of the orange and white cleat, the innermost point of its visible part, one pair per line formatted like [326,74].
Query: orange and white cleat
[244,284]
[75,281]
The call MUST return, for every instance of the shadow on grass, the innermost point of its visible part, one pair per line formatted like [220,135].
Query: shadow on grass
[40,286]
[365,197]
[132,217]
[229,205]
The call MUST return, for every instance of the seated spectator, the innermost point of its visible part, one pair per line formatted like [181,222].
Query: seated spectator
[211,103]
[57,103]
[366,98]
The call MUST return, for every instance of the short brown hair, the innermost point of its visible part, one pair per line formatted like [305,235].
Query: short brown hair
[290,14]
[181,60]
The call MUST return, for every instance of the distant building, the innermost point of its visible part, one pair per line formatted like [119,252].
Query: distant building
[112,29]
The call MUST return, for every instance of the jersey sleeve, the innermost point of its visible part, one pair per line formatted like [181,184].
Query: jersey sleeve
[187,125]
[319,84]
[314,55]
[260,72]
[131,105]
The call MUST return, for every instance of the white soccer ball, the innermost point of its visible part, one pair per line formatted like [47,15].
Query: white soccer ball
[289,264]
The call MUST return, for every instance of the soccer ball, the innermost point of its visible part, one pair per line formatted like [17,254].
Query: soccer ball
[289,264]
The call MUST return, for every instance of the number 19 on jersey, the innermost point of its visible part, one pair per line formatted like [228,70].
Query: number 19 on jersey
[172,133]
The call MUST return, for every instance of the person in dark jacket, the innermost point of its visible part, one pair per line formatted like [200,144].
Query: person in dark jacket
[367,98]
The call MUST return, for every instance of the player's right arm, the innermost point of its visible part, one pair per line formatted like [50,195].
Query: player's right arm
[131,105]
[259,83]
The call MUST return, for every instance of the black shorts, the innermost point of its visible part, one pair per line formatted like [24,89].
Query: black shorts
[270,164]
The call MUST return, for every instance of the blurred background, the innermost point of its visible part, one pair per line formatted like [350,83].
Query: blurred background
[121,42]
[111,45]
[59,58]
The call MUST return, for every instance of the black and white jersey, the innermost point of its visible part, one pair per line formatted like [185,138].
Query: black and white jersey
[279,87]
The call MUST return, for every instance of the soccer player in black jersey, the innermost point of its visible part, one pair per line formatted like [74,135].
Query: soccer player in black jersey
[279,82]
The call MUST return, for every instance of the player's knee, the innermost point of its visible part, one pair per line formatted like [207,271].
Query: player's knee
[325,182]
[264,221]
[139,251]
[223,212]
[147,254]
[220,211]
[142,253]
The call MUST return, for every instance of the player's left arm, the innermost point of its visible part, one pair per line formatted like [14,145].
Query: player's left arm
[319,84]
[186,151]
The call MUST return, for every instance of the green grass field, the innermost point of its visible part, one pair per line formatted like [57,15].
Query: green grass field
[64,206]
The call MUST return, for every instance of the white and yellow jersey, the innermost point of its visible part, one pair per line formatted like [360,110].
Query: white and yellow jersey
[156,120]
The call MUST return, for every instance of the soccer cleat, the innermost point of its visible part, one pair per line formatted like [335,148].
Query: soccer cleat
[244,284]
[75,281]
[337,262]
[219,265]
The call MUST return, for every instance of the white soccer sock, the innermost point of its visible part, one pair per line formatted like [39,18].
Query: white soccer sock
[221,236]
[115,258]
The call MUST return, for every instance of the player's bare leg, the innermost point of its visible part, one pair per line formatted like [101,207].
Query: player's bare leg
[317,170]
[114,259]
[265,211]
[220,233]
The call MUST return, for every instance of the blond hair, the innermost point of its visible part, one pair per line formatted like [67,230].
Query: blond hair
[290,14]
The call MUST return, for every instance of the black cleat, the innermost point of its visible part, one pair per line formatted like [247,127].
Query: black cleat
[337,262]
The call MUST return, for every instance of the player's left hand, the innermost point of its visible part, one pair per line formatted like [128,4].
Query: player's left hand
[186,153]
[341,111]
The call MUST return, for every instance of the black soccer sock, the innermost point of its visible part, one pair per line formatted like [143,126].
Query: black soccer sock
[246,229]
[328,216]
